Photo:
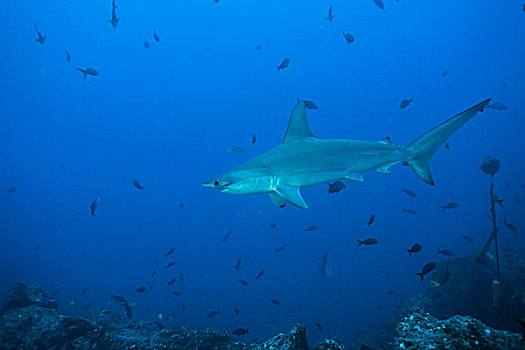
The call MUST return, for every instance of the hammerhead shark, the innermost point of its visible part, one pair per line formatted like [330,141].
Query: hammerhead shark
[304,160]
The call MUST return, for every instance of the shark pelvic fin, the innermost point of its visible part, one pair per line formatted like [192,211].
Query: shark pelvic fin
[292,195]
[277,200]
[385,169]
[424,147]
[354,177]
[298,125]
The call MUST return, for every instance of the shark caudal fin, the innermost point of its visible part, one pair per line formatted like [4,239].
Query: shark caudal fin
[423,148]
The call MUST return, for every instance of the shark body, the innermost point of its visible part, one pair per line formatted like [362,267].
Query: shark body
[303,160]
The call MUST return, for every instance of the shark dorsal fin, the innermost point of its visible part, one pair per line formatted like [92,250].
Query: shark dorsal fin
[298,125]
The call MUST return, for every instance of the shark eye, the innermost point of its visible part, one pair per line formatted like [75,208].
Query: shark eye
[215,183]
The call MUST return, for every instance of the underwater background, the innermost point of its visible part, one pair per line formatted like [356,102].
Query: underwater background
[166,115]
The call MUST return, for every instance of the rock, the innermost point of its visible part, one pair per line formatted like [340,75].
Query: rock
[330,344]
[468,290]
[295,340]
[21,295]
[419,330]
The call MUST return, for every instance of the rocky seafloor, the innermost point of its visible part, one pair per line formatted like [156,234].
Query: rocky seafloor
[29,320]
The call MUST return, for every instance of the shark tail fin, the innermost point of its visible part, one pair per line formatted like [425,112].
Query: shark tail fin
[423,148]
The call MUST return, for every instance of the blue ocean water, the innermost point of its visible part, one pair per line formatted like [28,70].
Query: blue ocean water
[166,115]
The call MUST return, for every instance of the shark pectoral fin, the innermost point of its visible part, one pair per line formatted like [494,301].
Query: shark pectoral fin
[277,200]
[292,195]
[355,177]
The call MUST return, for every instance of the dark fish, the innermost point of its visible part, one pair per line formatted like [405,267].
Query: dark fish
[447,146]
[426,269]
[88,71]
[11,190]
[273,320]
[509,225]
[146,44]
[330,16]
[390,292]
[371,220]
[171,281]
[236,149]
[335,187]
[238,265]
[445,252]
[94,206]
[368,241]
[240,331]
[311,228]
[114,19]
[181,277]
[499,201]
[275,302]
[119,299]
[379,4]
[155,36]
[170,264]
[348,37]
[445,73]
[170,251]
[181,205]
[319,327]
[324,272]
[41,38]
[259,275]
[176,293]
[449,205]
[274,226]
[416,247]
[405,103]
[227,235]
[280,249]
[141,289]
[137,185]
[153,273]
[129,311]
[236,311]
[284,64]
[498,106]
[88,305]
[242,282]
[467,238]
[410,192]
[85,290]
[254,138]
[258,47]
[309,104]
[410,211]
[213,313]
[68,56]
[446,277]
[159,325]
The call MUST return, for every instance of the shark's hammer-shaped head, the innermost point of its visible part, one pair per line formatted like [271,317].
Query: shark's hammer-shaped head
[245,181]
